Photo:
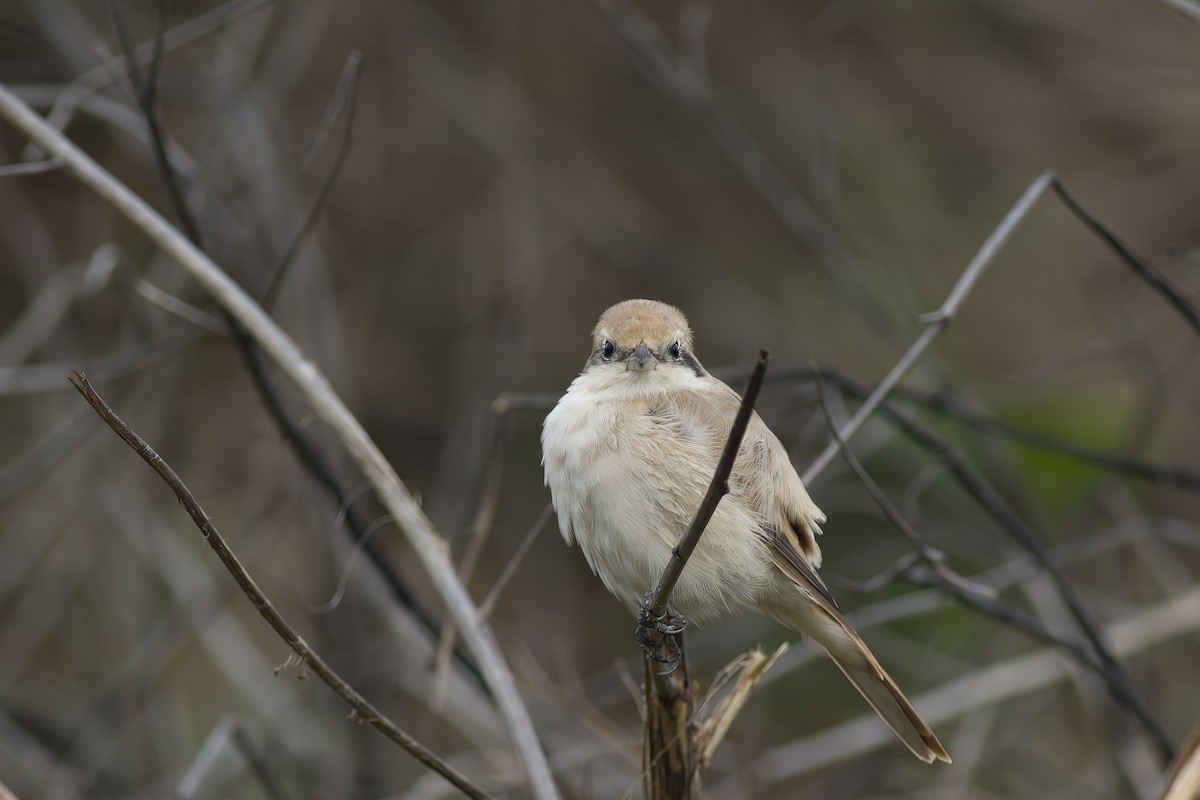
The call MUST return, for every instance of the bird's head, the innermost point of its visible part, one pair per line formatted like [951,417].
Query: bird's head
[642,336]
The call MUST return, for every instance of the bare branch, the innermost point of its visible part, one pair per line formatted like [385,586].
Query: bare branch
[229,731]
[1172,475]
[146,87]
[1189,8]
[982,598]
[29,167]
[938,320]
[1142,268]
[671,753]
[717,488]
[933,557]
[362,708]
[489,602]
[1136,633]
[427,544]
[180,308]
[1023,535]
[345,94]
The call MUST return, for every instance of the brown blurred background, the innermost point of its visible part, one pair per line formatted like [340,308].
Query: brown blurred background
[806,177]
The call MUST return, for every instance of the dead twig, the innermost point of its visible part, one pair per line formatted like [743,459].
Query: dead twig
[364,711]
[345,95]
[29,167]
[672,754]
[427,544]
[657,601]
[934,558]
[1189,8]
[1118,683]
[750,669]
[1142,268]
[980,688]
[480,532]
[145,87]
[936,321]
[1172,475]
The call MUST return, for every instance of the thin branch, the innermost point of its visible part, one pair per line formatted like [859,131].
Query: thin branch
[228,732]
[428,545]
[362,708]
[176,37]
[1189,8]
[938,320]
[346,94]
[671,754]
[994,684]
[979,597]
[489,602]
[717,489]
[145,87]
[307,453]
[480,532]
[681,75]
[85,85]
[934,558]
[1142,268]
[1172,475]
[182,309]
[29,167]
[1018,530]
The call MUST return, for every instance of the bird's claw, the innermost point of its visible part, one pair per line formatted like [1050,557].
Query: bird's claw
[656,633]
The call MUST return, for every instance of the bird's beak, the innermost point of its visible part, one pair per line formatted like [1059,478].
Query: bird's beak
[641,359]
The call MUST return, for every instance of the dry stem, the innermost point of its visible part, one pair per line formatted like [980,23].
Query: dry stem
[363,710]
[426,542]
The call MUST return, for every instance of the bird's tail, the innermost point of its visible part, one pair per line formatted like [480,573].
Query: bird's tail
[827,627]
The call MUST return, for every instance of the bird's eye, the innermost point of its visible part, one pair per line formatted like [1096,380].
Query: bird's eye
[610,349]
[675,350]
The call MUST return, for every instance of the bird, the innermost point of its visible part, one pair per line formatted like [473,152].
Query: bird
[628,452]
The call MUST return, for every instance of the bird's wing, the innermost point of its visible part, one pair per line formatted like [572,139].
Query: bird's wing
[765,479]
[788,559]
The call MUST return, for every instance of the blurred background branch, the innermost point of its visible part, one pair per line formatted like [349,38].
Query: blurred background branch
[454,210]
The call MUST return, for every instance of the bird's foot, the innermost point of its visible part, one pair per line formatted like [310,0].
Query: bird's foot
[656,633]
